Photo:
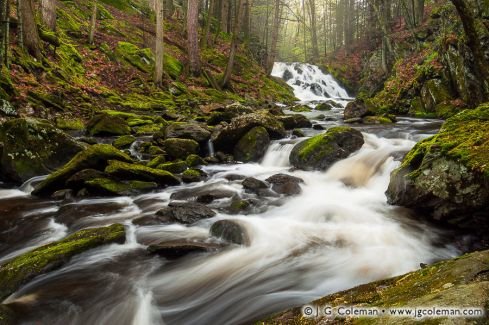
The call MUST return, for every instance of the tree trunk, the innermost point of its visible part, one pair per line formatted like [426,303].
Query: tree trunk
[224,15]
[30,32]
[169,8]
[93,22]
[314,35]
[275,31]
[20,26]
[473,42]
[193,36]
[419,11]
[208,23]
[159,58]
[234,45]
[48,11]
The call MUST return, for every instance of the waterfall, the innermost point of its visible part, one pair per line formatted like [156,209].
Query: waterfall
[309,82]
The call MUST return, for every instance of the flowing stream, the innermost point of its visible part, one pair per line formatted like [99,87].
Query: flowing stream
[338,233]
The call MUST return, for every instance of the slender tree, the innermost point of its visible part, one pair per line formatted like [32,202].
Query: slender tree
[159,56]
[234,45]
[314,37]
[30,32]
[20,25]
[93,22]
[193,36]
[48,13]
[275,32]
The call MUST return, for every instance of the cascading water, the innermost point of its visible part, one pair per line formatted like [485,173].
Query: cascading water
[339,232]
[309,82]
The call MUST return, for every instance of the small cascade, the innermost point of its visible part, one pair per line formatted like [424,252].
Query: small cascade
[28,186]
[309,82]
[210,148]
[277,154]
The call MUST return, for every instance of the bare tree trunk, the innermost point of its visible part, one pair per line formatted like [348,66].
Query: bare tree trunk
[193,36]
[419,11]
[224,15]
[208,23]
[304,27]
[159,56]
[93,22]
[275,31]
[30,32]
[48,11]
[234,44]
[314,35]
[20,26]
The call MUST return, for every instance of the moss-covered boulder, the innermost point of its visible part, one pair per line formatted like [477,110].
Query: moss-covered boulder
[195,160]
[225,138]
[294,121]
[94,157]
[377,119]
[33,147]
[158,160]
[176,148]
[140,172]
[355,109]
[434,93]
[253,145]
[124,141]
[108,186]
[323,150]
[448,174]
[459,282]
[193,175]
[105,124]
[27,266]
[175,167]
[193,131]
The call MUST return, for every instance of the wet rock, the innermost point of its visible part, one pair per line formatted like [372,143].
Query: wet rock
[175,167]
[226,137]
[231,231]
[185,212]
[193,175]
[124,141]
[191,131]
[318,127]
[227,113]
[354,120]
[66,194]
[324,107]
[105,124]
[224,158]
[94,157]
[253,145]
[180,148]
[179,248]
[377,120]
[195,160]
[285,184]
[254,185]
[108,186]
[140,172]
[78,180]
[294,121]
[355,109]
[205,194]
[234,177]
[156,161]
[298,133]
[239,206]
[323,150]
[447,175]
[27,266]
[88,140]
[461,281]
[33,147]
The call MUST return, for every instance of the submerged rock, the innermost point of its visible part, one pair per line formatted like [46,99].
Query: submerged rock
[27,266]
[94,157]
[254,185]
[323,150]
[185,212]
[253,145]
[460,282]
[225,138]
[179,248]
[230,230]
[33,147]
[448,174]
[285,184]
[108,186]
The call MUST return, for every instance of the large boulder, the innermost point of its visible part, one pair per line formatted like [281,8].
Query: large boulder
[105,124]
[294,121]
[232,231]
[285,184]
[180,148]
[27,266]
[192,131]
[226,137]
[33,147]
[253,145]
[322,151]
[460,282]
[355,109]
[448,174]
[94,157]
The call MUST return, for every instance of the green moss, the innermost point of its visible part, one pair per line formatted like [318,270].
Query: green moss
[104,124]
[376,120]
[25,267]
[124,142]
[141,59]
[155,162]
[193,175]
[70,123]
[172,66]
[94,157]
[140,172]
[175,167]
[114,187]
[155,150]
[180,148]
[195,160]
[300,108]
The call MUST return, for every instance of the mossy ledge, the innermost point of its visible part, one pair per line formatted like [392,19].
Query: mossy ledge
[46,258]
[462,282]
